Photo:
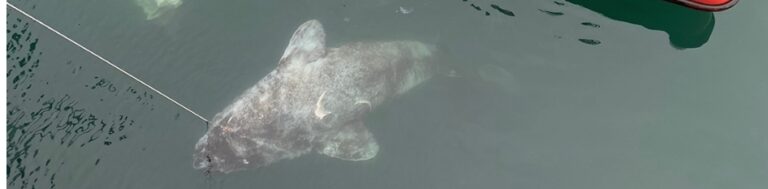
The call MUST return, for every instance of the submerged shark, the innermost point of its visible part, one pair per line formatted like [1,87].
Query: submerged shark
[315,100]
[156,8]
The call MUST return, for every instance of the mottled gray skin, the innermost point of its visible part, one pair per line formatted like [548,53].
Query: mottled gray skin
[314,101]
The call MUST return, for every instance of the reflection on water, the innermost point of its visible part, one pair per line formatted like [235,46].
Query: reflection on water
[53,120]
[496,7]
[552,13]
[42,124]
[141,97]
[20,48]
[502,10]
[687,28]
[590,41]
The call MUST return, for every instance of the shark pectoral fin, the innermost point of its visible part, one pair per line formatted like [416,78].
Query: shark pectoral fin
[351,142]
[307,43]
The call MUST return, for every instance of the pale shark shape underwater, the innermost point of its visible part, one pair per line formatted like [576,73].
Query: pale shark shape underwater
[314,101]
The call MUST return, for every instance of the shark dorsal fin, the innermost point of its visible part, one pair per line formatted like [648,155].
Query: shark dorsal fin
[307,43]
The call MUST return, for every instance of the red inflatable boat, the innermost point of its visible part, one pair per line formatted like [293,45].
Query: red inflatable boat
[707,5]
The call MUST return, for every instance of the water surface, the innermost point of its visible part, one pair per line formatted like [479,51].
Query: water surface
[554,94]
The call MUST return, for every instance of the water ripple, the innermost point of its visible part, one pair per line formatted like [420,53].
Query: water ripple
[41,125]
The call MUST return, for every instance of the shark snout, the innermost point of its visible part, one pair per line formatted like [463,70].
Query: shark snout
[201,157]
[213,154]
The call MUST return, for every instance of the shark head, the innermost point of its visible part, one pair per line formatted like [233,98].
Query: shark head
[210,157]
[253,131]
[248,137]
[223,148]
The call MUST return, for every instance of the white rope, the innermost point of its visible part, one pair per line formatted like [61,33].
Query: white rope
[106,61]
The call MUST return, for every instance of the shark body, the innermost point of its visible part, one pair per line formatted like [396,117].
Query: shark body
[315,100]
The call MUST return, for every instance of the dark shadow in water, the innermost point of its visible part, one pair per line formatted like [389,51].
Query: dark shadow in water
[687,28]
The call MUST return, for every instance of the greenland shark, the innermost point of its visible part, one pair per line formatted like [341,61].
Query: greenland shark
[314,101]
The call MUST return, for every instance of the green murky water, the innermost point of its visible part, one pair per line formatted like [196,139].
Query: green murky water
[550,94]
